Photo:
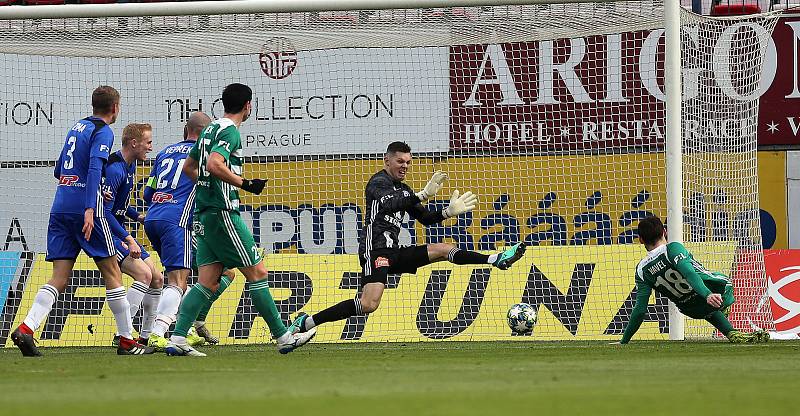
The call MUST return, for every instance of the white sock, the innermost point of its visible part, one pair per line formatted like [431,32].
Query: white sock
[167,310]
[149,305]
[135,296]
[178,339]
[42,304]
[119,305]
[492,258]
[309,323]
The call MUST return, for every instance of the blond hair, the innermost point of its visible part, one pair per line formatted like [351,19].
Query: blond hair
[134,131]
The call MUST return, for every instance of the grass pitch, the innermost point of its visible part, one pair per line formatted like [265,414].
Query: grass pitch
[476,378]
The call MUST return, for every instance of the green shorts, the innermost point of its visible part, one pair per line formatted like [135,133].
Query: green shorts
[223,237]
[698,308]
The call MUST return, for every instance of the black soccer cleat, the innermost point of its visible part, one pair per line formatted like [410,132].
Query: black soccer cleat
[25,343]
[115,341]
[135,349]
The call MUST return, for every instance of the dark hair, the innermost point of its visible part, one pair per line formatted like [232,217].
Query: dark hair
[103,99]
[395,147]
[235,96]
[650,229]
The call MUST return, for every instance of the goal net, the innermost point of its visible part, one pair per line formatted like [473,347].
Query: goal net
[553,114]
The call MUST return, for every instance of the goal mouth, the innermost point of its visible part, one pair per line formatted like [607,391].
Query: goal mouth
[555,114]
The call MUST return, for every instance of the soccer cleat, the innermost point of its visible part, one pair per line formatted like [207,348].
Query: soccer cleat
[25,343]
[763,336]
[157,342]
[203,332]
[510,256]
[299,323]
[177,350]
[193,339]
[115,341]
[134,348]
[142,340]
[296,341]
[738,337]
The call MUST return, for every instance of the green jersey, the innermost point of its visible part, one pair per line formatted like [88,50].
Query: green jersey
[221,136]
[673,272]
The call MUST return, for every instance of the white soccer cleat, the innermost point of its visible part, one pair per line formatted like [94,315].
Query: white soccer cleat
[175,349]
[296,341]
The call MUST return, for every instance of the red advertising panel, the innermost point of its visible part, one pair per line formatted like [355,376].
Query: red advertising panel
[783,272]
[778,115]
[559,96]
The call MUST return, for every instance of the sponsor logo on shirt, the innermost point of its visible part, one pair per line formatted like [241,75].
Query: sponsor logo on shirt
[70,180]
[381,262]
[163,197]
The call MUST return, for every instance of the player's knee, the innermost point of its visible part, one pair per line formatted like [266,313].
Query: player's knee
[439,251]
[157,280]
[369,305]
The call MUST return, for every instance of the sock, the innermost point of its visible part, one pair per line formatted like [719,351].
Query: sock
[135,296]
[309,323]
[337,312]
[224,282]
[265,305]
[42,304]
[119,305]
[458,256]
[167,309]
[149,305]
[198,297]
[720,322]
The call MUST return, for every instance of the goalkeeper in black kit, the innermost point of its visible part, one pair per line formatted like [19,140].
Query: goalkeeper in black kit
[388,199]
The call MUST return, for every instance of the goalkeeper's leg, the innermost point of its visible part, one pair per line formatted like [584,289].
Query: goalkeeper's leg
[455,255]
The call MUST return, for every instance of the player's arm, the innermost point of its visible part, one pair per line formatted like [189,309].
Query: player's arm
[423,215]
[392,200]
[150,186]
[190,167]
[98,155]
[643,291]
[115,175]
[679,256]
[133,214]
[57,168]
[217,166]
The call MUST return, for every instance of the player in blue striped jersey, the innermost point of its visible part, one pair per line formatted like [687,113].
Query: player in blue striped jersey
[168,225]
[118,180]
[77,222]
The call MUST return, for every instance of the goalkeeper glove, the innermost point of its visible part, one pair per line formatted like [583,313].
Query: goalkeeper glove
[433,186]
[254,186]
[460,204]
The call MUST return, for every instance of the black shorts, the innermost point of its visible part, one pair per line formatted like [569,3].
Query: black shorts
[379,264]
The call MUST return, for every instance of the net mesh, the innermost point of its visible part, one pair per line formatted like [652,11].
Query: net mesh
[553,114]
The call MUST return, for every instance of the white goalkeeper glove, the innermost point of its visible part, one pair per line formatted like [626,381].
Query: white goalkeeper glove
[460,204]
[433,186]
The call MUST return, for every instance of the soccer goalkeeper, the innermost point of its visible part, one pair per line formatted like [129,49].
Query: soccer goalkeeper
[388,199]
[672,271]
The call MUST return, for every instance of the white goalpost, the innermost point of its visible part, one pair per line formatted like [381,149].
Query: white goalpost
[571,120]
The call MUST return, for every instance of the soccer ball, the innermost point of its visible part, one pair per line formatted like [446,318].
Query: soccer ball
[521,318]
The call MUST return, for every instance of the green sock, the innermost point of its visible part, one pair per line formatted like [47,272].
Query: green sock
[199,297]
[720,322]
[265,305]
[224,282]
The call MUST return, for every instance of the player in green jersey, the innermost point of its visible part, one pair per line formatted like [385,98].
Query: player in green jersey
[223,239]
[673,272]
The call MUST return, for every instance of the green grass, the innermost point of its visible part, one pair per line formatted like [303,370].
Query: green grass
[480,378]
